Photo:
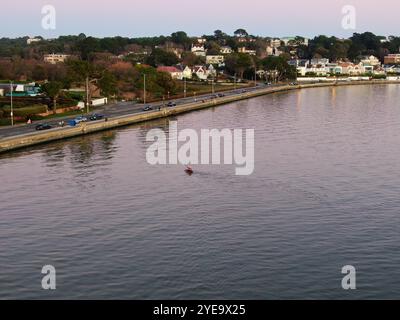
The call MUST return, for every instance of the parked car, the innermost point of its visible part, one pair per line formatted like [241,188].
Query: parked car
[147,108]
[171,104]
[43,126]
[80,119]
[95,117]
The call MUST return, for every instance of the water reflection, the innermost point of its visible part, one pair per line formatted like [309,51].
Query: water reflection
[324,194]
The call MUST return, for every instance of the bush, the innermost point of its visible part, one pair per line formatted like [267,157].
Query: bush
[379,76]
[26,111]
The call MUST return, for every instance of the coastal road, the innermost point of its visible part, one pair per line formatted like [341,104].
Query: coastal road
[121,109]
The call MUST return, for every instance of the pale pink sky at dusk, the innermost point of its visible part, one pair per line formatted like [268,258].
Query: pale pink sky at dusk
[155,17]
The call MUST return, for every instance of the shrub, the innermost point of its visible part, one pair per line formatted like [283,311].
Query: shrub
[26,111]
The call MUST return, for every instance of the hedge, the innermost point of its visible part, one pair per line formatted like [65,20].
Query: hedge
[26,111]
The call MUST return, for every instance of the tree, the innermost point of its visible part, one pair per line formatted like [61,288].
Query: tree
[241,33]
[108,84]
[190,59]
[87,46]
[220,36]
[53,90]
[181,38]
[165,81]
[85,72]
[238,63]
[161,57]
[213,48]
[279,65]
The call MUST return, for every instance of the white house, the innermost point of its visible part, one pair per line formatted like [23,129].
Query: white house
[323,61]
[318,69]
[392,69]
[276,43]
[370,60]
[33,40]
[173,71]
[215,59]
[187,72]
[198,50]
[247,51]
[333,68]
[55,58]
[300,65]
[351,68]
[226,50]
[201,72]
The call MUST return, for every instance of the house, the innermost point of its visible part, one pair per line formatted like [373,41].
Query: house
[226,50]
[200,71]
[32,40]
[173,71]
[318,69]
[370,60]
[294,41]
[201,40]
[378,70]
[272,51]
[300,65]
[351,68]
[392,59]
[333,68]
[247,51]
[211,71]
[392,69]
[323,61]
[368,68]
[276,43]
[198,50]
[20,90]
[213,59]
[55,58]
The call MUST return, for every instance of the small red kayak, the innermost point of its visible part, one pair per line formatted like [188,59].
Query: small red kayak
[189,170]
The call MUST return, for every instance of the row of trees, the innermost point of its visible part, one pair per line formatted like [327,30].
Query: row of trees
[83,46]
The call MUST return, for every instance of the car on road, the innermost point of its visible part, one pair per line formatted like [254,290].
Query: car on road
[171,104]
[221,95]
[147,108]
[43,126]
[95,117]
[80,119]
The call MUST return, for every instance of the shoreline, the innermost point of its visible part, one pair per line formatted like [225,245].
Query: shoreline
[26,140]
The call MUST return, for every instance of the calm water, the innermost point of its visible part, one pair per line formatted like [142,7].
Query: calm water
[324,194]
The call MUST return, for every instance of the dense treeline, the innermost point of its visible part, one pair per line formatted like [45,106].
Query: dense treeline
[328,47]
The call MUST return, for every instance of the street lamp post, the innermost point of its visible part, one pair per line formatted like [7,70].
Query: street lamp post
[184,87]
[87,95]
[144,88]
[11,97]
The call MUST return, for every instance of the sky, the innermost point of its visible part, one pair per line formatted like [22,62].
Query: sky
[135,18]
